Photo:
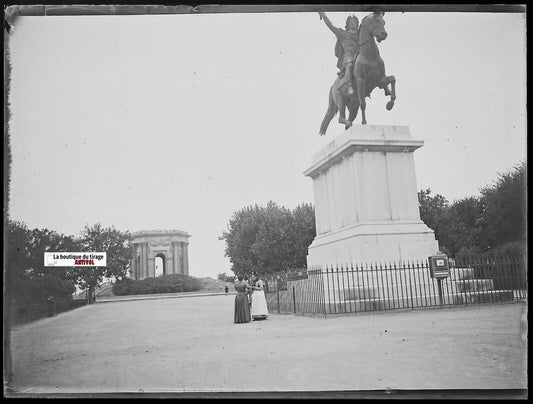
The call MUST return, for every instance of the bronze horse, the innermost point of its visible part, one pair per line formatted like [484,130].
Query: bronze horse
[369,73]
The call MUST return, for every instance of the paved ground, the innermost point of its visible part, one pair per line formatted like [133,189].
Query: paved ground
[191,344]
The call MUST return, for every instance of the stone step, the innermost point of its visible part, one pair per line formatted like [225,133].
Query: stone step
[474,285]
[404,275]
[405,289]
[371,304]
[461,273]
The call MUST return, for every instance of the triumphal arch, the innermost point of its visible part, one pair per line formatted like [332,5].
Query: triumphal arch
[168,247]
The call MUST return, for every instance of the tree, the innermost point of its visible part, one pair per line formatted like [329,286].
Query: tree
[433,212]
[240,238]
[272,245]
[30,280]
[17,256]
[225,277]
[504,213]
[303,232]
[119,252]
[492,223]
[269,239]
[17,251]
[464,225]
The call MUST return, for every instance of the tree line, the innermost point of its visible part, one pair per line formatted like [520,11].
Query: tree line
[493,223]
[273,239]
[266,239]
[30,282]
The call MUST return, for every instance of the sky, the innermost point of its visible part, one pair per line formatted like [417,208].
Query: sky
[178,121]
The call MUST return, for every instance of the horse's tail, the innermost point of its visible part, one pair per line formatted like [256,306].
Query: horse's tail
[330,113]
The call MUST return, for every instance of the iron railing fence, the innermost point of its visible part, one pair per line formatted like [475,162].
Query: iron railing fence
[31,312]
[376,287]
[507,273]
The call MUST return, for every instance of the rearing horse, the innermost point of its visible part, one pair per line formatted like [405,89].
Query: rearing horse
[369,73]
[369,69]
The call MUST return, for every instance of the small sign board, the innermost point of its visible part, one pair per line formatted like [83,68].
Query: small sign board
[439,266]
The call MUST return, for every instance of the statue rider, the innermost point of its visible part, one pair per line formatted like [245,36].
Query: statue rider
[346,48]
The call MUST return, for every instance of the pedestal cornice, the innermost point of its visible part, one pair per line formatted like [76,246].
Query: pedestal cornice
[371,138]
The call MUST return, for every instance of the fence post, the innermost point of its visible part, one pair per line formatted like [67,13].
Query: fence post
[277,291]
[328,290]
[294,299]
[464,273]
[439,286]
[323,289]
[410,284]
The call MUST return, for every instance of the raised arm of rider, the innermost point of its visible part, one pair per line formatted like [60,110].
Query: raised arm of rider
[333,28]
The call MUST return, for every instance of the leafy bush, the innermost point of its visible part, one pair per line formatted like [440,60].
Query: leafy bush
[162,284]
[225,277]
[516,249]
[36,289]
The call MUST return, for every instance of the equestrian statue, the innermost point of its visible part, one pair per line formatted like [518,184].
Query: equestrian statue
[361,68]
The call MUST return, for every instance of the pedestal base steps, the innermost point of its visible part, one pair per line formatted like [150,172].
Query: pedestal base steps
[387,289]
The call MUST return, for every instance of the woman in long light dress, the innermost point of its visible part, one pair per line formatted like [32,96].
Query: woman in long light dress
[259,304]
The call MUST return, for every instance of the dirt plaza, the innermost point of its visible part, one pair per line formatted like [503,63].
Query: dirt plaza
[192,345]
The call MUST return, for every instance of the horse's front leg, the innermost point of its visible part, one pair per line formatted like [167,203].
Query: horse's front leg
[361,91]
[385,81]
[342,114]
[353,107]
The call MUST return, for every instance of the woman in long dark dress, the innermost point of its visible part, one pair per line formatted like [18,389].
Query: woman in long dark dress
[242,306]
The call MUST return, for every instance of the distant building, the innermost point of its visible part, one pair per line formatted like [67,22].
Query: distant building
[168,247]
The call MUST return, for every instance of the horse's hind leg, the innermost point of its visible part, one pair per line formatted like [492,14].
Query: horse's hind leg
[384,83]
[330,113]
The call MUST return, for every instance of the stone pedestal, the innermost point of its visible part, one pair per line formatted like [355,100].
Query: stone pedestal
[366,203]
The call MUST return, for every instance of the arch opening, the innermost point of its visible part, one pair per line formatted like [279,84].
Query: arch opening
[160,265]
